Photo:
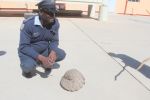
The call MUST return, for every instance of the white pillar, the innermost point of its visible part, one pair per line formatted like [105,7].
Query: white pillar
[91,10]
[103,11]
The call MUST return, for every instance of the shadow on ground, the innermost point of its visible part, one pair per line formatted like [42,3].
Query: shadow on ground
[2,53]
[47,72]
[131,62]
[140,21]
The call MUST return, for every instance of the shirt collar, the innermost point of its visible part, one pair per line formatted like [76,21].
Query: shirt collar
[37,21]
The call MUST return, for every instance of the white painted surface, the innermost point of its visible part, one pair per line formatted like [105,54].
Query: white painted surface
[97,66]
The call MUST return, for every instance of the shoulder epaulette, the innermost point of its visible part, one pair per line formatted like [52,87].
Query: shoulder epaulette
[28,19]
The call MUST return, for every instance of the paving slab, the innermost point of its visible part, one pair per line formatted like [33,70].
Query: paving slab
[127,37]
[98,68]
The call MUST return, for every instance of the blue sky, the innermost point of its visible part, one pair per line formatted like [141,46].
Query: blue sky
[111,4]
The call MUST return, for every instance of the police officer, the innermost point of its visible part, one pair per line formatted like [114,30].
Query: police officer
[39,40]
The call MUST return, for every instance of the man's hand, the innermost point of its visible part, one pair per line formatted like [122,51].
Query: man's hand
[52,57]
[45,61]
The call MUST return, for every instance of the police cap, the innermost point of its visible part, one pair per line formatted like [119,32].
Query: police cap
[47,5]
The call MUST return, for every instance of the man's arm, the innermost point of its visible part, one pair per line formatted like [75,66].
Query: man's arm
[25,42]
[54,42]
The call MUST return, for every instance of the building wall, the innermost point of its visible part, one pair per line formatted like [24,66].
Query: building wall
[133,8]
[23,5]
[17,4]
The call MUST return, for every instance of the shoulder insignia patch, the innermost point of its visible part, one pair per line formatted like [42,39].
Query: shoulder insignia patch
[22,26]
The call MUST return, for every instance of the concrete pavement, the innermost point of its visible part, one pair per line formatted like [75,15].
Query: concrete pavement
[87,43]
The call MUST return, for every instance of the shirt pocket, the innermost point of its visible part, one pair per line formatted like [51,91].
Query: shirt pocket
[35,37]
[36,34]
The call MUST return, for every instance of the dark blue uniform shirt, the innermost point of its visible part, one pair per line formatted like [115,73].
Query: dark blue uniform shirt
[34,38]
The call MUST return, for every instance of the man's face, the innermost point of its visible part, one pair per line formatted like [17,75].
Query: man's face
[46,18]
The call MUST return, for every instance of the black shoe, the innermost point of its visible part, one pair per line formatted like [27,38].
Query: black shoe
[48,69]
[27,75]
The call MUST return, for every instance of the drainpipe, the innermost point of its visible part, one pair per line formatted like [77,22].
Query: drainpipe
[103,11]
[125,9]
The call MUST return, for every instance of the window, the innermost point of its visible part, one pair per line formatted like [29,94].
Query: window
[134,0]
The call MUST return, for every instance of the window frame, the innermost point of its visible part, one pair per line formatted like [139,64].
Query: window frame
[134,0]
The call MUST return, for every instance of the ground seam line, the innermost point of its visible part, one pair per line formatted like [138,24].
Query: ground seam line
[100,47]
